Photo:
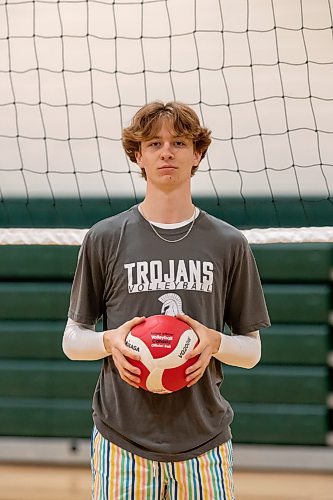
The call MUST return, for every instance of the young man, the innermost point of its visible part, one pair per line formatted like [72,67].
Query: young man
[164,256]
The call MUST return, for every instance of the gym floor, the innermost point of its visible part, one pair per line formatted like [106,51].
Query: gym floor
[32,482]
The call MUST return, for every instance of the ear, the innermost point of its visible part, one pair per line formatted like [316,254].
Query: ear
[196,158]
[138,157]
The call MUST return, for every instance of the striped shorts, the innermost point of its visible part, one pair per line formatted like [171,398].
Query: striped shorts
[120,475]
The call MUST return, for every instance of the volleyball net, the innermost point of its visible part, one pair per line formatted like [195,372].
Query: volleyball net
[259,75]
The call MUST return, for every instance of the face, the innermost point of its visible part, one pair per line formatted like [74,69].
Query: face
[167,158]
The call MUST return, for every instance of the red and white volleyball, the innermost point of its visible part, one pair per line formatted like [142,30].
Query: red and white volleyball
[162,342]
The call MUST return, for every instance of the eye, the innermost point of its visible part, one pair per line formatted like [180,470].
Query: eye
[154,144]
[180,143]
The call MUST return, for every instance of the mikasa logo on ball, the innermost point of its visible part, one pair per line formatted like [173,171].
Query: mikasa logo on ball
[173,275]
[132,346]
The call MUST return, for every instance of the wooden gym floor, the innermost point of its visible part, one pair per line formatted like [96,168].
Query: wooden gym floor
[31,482]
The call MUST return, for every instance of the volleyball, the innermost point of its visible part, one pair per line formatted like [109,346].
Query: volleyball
[162,342]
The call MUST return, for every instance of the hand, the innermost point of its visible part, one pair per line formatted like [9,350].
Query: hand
[114,342]
[209,342]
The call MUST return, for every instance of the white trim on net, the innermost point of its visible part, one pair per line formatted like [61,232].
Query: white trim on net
[48,236]
[70,236]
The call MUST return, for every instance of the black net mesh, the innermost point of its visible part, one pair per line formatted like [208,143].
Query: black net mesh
[259,74]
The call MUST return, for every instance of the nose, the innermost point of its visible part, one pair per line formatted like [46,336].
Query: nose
[166,151]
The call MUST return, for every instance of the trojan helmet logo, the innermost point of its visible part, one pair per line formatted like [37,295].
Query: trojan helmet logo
[171,304]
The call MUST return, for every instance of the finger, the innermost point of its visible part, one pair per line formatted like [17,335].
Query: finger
[191,369]
[201,350]
[195,352]
[131,323]
[190,321]
[202,363]
[126,351]
[126,376]
[193,382]
[135,370]
[123,364]
[129,353]
[133,384]
[193,379]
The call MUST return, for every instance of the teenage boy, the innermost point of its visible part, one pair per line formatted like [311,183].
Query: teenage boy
[166,256]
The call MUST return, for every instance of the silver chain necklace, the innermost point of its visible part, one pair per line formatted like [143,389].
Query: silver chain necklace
[162,237]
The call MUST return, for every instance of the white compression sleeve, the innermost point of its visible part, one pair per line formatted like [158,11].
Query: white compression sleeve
[82,342]
[239,350]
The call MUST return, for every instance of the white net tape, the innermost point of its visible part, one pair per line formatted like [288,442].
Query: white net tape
[27,236]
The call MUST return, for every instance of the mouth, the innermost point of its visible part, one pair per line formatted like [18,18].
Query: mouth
[167,167]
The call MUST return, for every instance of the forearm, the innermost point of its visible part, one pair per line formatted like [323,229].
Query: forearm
[82,342]
[239,350]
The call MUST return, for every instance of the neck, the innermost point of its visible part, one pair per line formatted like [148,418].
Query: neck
[167,208]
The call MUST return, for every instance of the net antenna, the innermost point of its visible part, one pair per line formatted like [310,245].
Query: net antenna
[259,75]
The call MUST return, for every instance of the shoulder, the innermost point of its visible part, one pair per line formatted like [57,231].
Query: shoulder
[103,237]
[111,226]
[224,231]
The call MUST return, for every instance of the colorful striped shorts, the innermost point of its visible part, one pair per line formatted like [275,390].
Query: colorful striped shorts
[121,475]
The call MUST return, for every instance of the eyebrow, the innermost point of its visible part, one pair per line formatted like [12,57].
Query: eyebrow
[174,136]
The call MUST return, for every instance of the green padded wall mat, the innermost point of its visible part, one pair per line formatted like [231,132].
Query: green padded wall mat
[49,380]
[281,401]
[287,262]
[45,418]
[308,262]
[275,384]
[298,303]
[281,344]
[31,339]
[295,344]
[273,424]
[254,212]
[50,300]
[263,384]
[34,300]
[280,424]
[28,339]
[36,262]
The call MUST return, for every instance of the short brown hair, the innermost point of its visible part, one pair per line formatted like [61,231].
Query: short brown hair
[145,123]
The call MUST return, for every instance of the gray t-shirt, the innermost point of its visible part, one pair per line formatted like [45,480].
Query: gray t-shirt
[124,270]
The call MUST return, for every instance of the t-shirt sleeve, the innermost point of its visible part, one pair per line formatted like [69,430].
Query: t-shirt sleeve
[87,294]
[246,309]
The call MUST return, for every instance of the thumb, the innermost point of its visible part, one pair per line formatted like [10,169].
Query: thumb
[187,319]
[196,351]
[134,321]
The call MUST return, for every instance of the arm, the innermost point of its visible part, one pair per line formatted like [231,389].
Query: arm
[237,350]
[82,342]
